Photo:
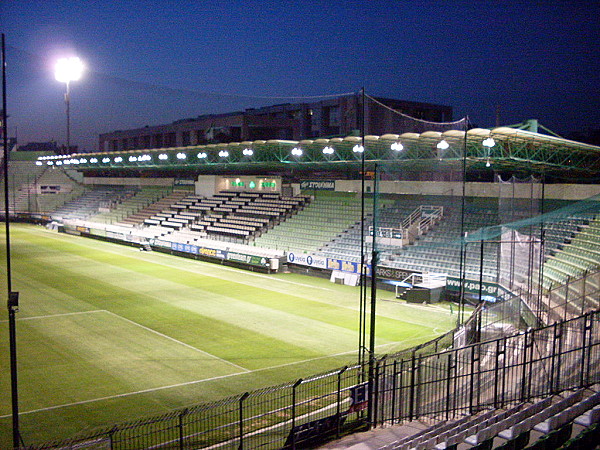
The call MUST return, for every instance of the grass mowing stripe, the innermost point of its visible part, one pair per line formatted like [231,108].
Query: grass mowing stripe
[177,341]
[211,267]
[145,391]
[395,311]
[229,303]
[219,338]
[290,304]
[308,308]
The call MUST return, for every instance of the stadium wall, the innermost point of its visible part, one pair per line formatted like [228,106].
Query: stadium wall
[208,185]
[122,181]
[473,189]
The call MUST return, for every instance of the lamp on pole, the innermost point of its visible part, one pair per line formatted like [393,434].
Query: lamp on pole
[67,70]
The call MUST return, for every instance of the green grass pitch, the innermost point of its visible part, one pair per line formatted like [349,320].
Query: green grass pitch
[107,334]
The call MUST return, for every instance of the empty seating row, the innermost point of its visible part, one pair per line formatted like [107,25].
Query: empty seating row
[512,426]
[233,211]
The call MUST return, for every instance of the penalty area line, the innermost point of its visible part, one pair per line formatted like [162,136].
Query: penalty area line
[178,341]
[51,316]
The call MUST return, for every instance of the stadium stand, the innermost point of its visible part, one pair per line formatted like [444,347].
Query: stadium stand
[90,203]
[327,216]
[29,188]
[433,249]
[128,210]
[231,216]
[47,192]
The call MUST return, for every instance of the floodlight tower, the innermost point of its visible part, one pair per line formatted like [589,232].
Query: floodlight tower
[67,70]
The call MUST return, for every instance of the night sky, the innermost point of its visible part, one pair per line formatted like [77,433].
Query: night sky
[153,62]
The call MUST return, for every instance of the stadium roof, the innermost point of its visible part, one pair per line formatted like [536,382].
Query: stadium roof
[499,149]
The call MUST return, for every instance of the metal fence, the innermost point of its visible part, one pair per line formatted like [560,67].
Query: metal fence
[575,297]
[492,374]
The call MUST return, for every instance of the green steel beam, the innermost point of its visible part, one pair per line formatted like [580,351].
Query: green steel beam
[511,150]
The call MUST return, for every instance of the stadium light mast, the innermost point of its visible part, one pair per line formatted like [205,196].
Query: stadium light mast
[13,297]
[67,70]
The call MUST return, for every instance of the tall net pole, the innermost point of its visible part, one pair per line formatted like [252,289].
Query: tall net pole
[363,289]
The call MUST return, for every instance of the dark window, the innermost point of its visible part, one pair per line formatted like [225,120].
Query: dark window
[185,138]
[170,140]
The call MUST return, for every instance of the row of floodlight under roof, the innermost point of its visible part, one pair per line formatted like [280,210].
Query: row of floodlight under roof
[297,151]
[70,160]
[60,160]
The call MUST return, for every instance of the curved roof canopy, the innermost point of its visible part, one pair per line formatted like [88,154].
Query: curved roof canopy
[499,149]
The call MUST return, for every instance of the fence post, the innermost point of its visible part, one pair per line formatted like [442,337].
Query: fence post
[376,393]
[583,296]
[503,389]
[567,292]
[583,350]
[402,390]
[472,380]
[556,356]
[448,381]
[241,424]
[111,433]
[418,387]
[496,362]
[479,369]
[394,389]
[339,400]
[411,395]
[593,320]
[296,384]
[182,414]
[524,378]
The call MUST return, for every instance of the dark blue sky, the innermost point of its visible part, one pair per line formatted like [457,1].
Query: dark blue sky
[152,62]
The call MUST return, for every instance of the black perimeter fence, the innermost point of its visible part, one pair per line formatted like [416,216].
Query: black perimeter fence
[432,380]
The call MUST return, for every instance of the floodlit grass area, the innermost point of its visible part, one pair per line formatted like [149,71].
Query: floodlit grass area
[108,334]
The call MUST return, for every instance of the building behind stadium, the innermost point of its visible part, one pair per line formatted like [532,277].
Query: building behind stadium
[338,116]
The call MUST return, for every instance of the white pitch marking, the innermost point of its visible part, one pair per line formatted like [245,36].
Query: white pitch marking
[126,394]
[188,383]
[49,316]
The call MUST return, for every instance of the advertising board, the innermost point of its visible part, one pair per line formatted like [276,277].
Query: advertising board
[307,259]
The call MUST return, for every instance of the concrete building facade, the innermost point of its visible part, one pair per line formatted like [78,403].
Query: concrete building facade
[338,116]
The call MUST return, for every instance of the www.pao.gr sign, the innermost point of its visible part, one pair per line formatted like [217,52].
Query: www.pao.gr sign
[472,286]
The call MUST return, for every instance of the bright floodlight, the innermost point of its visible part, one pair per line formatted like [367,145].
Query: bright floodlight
[488,142]
[443,145]
[68,69]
